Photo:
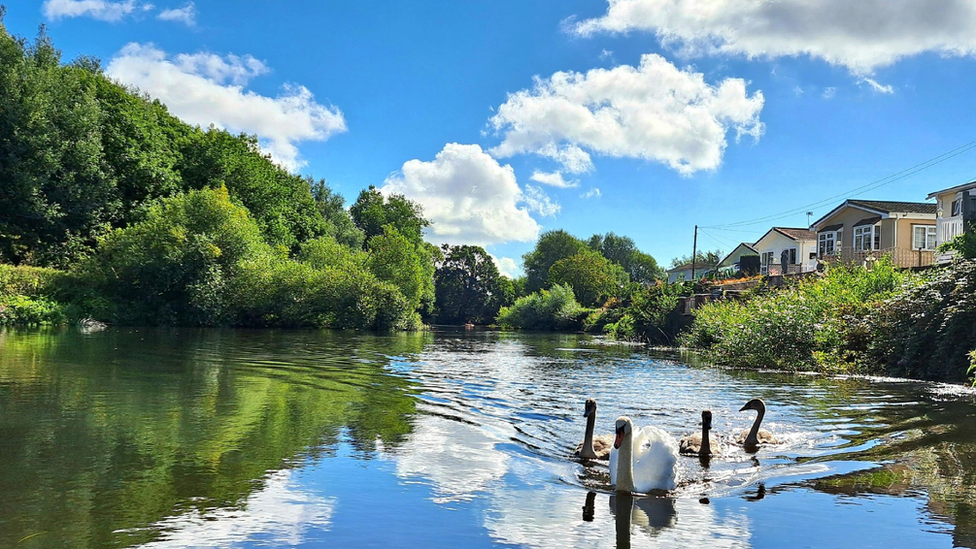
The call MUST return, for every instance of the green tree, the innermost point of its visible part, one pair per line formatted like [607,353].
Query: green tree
[552,247]
[468,286]
[407,265]
[705,259]
[372,212]
[332,208]
[281,203]
[56,196]
[592,277]
[173,267]
[621,250]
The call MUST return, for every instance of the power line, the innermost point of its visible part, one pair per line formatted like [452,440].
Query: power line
[857,190]
[721,242]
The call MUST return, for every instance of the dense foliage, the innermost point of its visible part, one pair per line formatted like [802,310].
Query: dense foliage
[551,247]
[23,296]
[927,329]
[160,222]
[880,320]
[592,277]
[81,155]
[651,314]
[199,259]
[553,309]
[622,250]
[468,286]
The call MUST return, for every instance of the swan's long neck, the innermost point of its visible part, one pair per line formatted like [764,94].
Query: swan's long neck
[625,465]
[706,448]
[753,436]
[587,451]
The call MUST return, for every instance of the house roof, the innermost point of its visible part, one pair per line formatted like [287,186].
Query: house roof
[885,207]
[796,233]
[730,254]
[868,221]
[957,188]
[830,228]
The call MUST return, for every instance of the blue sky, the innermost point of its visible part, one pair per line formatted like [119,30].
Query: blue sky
[507,118]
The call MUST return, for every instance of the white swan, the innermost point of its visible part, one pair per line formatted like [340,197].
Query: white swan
[643,459]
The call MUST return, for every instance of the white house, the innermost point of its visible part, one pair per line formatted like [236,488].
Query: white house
[730,263]
[955,207]
[787,250]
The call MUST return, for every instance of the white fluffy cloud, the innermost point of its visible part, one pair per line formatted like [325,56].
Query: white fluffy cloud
[186,15]
[553,179]
[654,111]
[103,10]
[506,266]
[861,35]
[592,193]
[206,89]
[470,198]
[536,200]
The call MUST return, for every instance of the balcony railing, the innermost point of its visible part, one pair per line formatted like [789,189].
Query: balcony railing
[901,257]
[776,269]
[949,228]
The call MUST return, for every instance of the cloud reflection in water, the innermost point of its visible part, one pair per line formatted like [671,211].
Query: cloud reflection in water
[278,514]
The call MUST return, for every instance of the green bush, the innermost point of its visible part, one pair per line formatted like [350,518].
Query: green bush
[172,268]
[553,309]
[927,330]
[199,259]
[804,326]
[19,310]
[27,281]
[651,315]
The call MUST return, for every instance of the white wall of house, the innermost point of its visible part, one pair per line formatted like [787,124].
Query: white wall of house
[771,246]
[684,274]
[948,208]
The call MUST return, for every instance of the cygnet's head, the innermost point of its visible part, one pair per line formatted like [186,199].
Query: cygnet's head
[590,408]
[755,404]
[707,419]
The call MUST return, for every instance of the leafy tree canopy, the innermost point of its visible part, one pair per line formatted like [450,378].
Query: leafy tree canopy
[704,258]
[552,247]
[372,212]
[592,277]
[468,286]
[621,250]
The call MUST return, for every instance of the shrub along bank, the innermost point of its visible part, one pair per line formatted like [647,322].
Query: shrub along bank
[875,321]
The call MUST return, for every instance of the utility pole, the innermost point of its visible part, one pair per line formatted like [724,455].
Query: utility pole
[808,219]
[694,254]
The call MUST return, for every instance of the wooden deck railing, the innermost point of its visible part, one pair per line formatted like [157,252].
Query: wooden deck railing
[899,256]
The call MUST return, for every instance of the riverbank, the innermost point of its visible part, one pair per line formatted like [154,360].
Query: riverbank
[879,321]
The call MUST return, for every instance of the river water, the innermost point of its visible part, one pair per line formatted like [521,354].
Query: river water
[227,438]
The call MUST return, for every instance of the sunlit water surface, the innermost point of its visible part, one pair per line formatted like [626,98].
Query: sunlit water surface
[214,438]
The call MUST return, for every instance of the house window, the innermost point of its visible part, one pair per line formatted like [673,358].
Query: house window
[956,207]
[923,237]
[826,243]
[790,255]
[867,238]
[765,260]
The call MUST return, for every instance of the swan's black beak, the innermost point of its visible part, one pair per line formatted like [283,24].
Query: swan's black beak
[746,407]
